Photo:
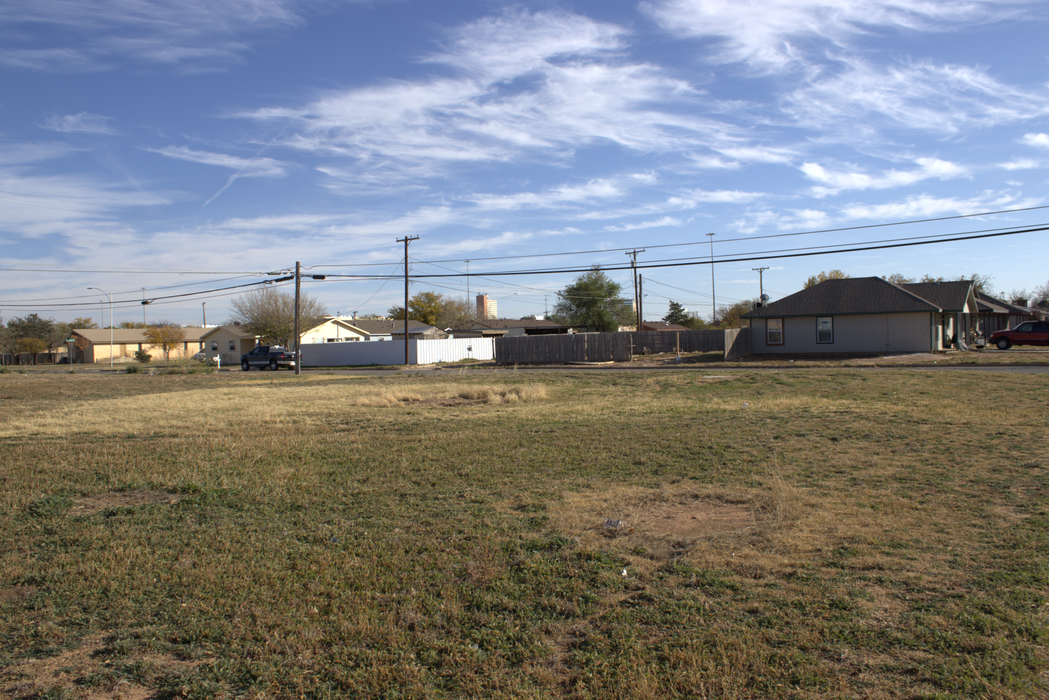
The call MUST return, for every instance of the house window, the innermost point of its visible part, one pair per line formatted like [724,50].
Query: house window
[232,346]
[824,329]
[774,331]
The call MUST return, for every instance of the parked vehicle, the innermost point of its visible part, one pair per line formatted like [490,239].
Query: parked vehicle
[200,356]
[272,356]
[1027,333]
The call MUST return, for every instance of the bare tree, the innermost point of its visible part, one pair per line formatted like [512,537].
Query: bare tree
[731,316]
[270,314]
[457,313]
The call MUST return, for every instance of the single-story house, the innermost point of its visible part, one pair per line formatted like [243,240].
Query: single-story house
[227,343]
[418,331]
[866,315]
[99,344]
[499,327]
[998,315]
[334,330]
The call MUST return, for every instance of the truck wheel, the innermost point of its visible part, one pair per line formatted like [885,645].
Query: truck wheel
[244,365]
[1003,344]
[273,365]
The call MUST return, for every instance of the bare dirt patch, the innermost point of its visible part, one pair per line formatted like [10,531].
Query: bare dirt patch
[89,505]
[14,594]
[650,527]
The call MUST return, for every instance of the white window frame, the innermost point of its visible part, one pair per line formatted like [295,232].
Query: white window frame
[825,336]
[769,331]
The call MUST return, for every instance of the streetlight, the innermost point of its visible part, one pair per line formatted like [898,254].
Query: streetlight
[110,323]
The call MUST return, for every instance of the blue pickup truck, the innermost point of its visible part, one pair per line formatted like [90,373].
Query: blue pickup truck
[272,356]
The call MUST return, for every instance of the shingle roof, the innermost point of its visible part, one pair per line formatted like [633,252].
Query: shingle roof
[384,326]
[497,323]
[854,295]
[949,296]
[127,336]
[988,303]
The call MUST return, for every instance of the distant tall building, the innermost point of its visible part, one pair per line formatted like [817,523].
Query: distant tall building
[487,308]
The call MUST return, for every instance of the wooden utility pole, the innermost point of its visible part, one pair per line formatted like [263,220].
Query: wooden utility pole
[298,294]
[637,298]
[406,240]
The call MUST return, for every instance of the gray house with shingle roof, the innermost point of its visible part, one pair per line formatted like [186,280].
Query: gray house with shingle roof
[865,315]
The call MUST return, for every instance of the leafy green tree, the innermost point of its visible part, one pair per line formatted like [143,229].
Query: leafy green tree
[593,301]
[824,276]
[424,307]
[679,314]
[165,335]
[270,314]
[676,313]
[31,326]
[31,345]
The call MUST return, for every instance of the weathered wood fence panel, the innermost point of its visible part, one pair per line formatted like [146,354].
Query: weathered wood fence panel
[677,341]
[737,343]
[563,349]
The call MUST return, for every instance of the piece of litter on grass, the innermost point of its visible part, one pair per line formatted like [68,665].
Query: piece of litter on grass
[624,572]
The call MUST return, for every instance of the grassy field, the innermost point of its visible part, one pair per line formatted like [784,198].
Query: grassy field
[813,533]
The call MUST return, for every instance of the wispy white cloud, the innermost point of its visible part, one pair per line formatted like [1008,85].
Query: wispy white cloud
[189,35]
[38,205]
[833,182]
[557,197]
[777,35]
[523,87]
[944,99]
[246,167]
[921,206]
[29,152]
[1021,164]
[83,122]
[658,223]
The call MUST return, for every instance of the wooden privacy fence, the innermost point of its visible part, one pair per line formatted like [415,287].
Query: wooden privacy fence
[602,347]
[656,342]
[561,349]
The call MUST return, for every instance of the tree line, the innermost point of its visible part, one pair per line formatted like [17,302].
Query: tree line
[32,335]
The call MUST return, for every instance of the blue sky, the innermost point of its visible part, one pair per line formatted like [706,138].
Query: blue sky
[170,149]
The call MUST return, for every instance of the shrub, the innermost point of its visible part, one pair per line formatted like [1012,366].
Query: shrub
[143,356]
[133,369]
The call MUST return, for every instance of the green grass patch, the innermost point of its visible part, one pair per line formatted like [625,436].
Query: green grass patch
[804,534]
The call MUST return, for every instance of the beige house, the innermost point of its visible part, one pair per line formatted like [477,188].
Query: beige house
[100,344]
[227,343]
[334,330]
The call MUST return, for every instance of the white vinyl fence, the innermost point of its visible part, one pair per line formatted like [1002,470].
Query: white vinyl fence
[391,352]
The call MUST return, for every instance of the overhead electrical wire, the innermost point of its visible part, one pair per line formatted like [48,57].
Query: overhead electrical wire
[807,251]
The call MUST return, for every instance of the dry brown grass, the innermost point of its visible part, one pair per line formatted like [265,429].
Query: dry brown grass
[796,534]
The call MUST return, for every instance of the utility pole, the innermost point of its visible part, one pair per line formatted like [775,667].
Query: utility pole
[298,293]
[298,304]
[204,313]
[406,240]
[640,302]
[713,296]
[761,283]
[637,299]
[468,282]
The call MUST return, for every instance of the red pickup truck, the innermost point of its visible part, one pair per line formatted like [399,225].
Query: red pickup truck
[1027,333]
